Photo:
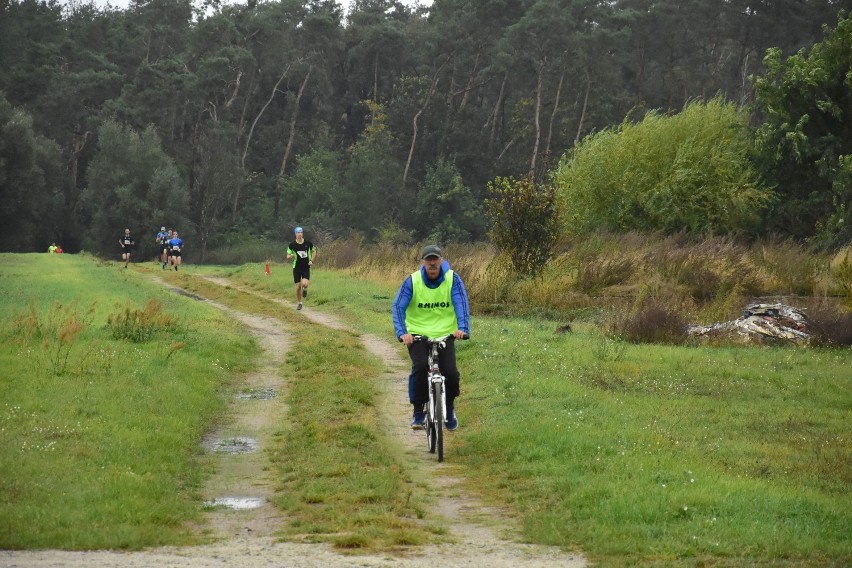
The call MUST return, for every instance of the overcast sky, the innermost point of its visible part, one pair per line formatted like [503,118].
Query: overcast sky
[122,4]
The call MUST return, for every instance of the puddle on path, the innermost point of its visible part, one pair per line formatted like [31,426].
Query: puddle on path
[183,292]
[237,503]
[234,445]
[263,393]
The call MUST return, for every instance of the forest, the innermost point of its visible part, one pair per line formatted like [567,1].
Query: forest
[394,123]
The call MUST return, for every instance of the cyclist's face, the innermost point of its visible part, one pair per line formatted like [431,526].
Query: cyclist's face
[433,266]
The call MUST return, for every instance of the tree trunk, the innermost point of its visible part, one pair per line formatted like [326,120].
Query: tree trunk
[77,145]
[449,114]
[583,112]
[469,87]
[536,121]
[253,84]
[376,79]
[236,89]
[640,74]
[547,150]
[496,113]
[290,140]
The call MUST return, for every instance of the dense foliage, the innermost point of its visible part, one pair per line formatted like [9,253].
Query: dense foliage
[688,172]
[806,137]
[254,117]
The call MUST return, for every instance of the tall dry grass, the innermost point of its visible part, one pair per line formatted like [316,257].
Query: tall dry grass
[705,280]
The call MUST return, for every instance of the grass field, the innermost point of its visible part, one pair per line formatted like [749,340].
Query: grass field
[642,453]
[636,455]
[98,433]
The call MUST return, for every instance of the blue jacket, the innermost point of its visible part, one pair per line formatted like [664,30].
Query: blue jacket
[458,293]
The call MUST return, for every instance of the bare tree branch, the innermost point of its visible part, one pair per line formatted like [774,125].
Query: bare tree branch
[423,108]
[259,114]
[289,148]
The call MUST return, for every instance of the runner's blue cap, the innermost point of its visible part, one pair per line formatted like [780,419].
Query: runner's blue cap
[299,230]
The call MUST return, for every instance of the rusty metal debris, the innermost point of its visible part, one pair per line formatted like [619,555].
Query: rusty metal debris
[758,323]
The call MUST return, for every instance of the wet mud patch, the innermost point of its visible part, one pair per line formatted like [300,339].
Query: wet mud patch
[232,445]
[261,393]
[237,503]
[183,292]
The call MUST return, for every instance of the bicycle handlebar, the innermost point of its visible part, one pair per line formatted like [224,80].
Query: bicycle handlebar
[436,339]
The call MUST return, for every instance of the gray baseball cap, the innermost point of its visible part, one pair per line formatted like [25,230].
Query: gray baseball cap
[430,250]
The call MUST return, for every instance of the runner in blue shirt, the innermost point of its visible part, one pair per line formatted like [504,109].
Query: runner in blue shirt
[175,246]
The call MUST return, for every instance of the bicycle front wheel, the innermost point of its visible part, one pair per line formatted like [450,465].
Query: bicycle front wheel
[439,419]
[430,423]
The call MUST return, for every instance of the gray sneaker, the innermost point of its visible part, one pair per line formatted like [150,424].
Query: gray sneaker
[299,306]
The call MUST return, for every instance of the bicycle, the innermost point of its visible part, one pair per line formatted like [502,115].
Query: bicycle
[436,412]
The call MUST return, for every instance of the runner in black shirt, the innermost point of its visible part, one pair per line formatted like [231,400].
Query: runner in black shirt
[163,239]
[126,242]
[302,253]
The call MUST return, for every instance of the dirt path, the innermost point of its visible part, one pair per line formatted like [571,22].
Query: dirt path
[482,536]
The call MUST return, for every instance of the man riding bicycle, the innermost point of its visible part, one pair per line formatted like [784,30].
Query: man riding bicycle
[432,302]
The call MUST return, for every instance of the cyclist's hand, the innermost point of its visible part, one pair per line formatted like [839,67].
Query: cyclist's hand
[406,338]
[459,334]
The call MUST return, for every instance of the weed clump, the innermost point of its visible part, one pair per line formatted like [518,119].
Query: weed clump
[57,331]
[140,326]
[342,253]
[650,321]
[830,327]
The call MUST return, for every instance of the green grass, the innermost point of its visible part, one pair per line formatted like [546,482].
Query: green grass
[101,450]
[643,454]
[662,452]
[339,474]
[634,454]
[342,480]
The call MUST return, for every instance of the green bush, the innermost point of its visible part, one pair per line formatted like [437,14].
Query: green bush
[688,172]
[525,222]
